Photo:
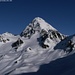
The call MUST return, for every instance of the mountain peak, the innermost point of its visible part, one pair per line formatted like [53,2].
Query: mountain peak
[43,24]
[38,19]
[37,24]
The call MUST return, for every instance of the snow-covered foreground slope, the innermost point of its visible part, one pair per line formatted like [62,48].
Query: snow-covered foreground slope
[62,66]
[37,45]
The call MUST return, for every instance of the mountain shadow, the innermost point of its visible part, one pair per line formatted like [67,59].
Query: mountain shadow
[66,44]
[62,66]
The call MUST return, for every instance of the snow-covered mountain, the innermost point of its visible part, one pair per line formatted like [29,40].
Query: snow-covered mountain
[38,44]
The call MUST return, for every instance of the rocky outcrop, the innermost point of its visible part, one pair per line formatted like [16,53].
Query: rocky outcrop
[17,43]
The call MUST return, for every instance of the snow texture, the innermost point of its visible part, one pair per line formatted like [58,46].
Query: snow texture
[38,44]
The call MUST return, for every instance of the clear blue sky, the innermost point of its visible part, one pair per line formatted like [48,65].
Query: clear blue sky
[16,15]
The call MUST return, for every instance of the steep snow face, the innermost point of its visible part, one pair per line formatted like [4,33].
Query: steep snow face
[45,30]
[43,24]
[37,24]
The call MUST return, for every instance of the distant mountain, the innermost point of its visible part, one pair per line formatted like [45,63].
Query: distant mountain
[39,44]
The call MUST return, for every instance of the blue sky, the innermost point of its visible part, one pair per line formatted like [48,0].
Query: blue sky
[16,15]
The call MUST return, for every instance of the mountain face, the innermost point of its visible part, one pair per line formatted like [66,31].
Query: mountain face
[46,32]
[38,44]
[42,27]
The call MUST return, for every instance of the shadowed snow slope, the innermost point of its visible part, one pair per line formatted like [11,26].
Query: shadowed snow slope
[39,44]
[63,66]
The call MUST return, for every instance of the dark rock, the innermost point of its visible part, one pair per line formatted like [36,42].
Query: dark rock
[17,43]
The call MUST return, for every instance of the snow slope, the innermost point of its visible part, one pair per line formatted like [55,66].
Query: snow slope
[38,44]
